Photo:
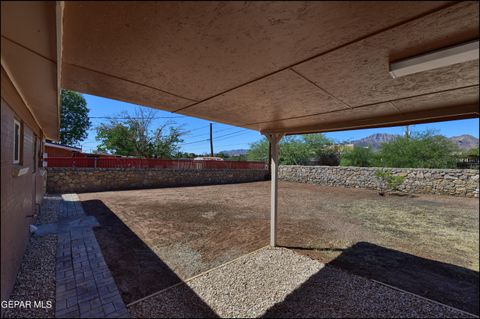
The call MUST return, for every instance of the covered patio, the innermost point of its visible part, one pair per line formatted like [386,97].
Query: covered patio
[280,68]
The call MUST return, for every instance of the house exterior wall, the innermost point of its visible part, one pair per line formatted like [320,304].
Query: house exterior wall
[20,195]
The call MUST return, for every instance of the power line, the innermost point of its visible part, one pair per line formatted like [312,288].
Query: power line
[229,134]
[214,132]
[194,142]
[195,129]
[235,144]
[188,131]
[226,129]
[197,135]
[216,139]
[159,117]
[198,128]
[219,138]
[221,146]
[134,118]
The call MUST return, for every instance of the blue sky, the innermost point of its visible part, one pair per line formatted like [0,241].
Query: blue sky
[227,137]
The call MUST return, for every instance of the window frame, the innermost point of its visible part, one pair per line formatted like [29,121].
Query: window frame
[40,153]
[35,153]
[17,137]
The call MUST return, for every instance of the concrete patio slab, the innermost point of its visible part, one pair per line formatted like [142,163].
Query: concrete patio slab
[67,225]
[85,287]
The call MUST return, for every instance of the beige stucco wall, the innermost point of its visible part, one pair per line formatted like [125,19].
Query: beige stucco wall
[19,194]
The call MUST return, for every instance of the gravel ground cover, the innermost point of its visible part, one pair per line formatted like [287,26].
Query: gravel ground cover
[36,278]
[49,210]
[277,282]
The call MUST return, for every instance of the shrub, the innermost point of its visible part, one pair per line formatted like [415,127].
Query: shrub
[358,156]
[420,149]
[393,182]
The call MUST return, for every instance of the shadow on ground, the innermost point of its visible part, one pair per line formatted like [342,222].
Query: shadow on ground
[136,269]
[139,272]
[446,283]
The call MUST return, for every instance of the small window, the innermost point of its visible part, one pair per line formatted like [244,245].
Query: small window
[17,132]
[39,157]
[34,163]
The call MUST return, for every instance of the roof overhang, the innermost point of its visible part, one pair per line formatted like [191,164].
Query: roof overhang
[289,67]
[63,147]
[29,58]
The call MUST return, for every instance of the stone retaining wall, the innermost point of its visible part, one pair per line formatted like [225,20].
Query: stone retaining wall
[457,182]
[81,180]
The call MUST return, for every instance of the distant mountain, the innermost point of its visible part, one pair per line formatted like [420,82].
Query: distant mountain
[465,142]
[375,141]
[235,152]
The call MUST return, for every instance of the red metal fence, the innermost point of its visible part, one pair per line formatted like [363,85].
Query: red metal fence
[115,162]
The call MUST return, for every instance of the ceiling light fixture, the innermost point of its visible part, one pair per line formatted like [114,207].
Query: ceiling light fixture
[457,54]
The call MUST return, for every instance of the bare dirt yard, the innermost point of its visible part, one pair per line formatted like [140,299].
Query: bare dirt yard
[426,244]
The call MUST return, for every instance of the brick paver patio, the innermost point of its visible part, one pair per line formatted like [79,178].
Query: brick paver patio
[84,285]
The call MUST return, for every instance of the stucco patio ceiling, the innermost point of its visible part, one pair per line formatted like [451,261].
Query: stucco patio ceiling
[289,67]
[274,67]
[29,60]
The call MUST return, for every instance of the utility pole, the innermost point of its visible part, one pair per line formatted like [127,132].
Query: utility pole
[211,141]
[407,132]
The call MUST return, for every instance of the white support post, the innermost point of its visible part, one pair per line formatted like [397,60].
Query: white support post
[274,139]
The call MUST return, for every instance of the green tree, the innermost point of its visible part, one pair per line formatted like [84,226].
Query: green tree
[358,156]
[132,136]
[294,150]
[258,150]
[322,150]
[237,158]
[185,155]
[74,121]
[471,152]
[419,150]
[222,155]
[318,144]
